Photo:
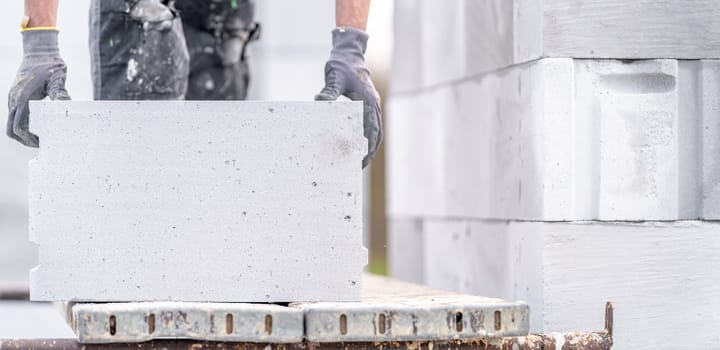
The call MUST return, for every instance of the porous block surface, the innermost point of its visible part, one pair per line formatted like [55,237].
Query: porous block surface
[470,37]
[561,139]
[197,201]
[404,249]
[566,272]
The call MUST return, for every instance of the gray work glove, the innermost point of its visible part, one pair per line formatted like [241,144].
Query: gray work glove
[347,74]
[42,74]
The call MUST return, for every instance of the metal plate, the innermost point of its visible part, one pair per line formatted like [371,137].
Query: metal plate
[398,311]
[138,322]
[390,311]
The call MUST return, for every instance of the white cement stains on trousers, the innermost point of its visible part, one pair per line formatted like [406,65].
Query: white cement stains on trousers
[473,37]
[661,277]
[197,201]
[561,139]
[132,69]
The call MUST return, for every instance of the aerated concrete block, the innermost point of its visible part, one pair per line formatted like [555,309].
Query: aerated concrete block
[469,37]
[561,140]
[660,276]
[405,249]
[197,201]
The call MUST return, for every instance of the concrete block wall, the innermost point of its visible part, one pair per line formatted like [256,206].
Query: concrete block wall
[470,37]
[197,201]
[561,139]
[661,276]
[564,153]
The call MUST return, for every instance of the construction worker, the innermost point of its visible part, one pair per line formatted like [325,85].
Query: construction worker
[178,49]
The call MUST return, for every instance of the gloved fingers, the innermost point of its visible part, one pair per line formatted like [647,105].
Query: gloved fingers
[56,85]
[372,121]
[26,87]
[372,128]
[10,122]
[326,94]
[373,115]
[332,89]
[20,127]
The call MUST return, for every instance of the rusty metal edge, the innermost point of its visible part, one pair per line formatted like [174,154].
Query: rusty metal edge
[609,312]
[575,341]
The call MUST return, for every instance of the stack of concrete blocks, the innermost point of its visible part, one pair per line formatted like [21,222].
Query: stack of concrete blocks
[565,153]
[197,201]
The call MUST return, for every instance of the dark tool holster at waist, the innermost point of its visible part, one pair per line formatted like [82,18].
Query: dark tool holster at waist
[231,23]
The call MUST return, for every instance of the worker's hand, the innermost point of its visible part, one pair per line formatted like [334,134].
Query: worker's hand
[347,74]
[41,74]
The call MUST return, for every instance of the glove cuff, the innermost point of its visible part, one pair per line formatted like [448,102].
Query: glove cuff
[348,39]
[40,41]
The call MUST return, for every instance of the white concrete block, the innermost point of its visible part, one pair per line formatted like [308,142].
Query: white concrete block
[197,201]
[415,161]
[711,146]
[561,139]
[454,257]
[405,249]
[470,37]
[458,44]
[661,277]
[484,258]
[405,72]
[631,29]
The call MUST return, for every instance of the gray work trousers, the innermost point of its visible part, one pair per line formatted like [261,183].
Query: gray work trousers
[200,56]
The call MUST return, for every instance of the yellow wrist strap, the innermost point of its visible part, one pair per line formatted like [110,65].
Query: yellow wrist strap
[24,26]
[39,28]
